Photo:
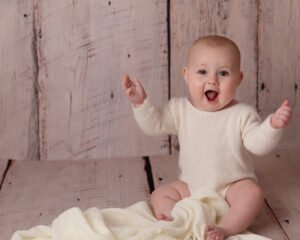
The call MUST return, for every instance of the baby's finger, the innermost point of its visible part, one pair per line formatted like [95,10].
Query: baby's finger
[127,81]
[137,82]
[286,108]
[285,103]
[282,118]
[130,91]
[284,111]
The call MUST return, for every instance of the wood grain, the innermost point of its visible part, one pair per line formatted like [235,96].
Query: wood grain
[165,169]
[279,65]
[279,175]
[85,48]
[35,193]
[18,105]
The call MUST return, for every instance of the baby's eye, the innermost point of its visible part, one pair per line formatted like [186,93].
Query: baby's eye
[202,72]
[223,73]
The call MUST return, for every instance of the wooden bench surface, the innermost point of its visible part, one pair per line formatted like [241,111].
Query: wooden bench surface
[34,193]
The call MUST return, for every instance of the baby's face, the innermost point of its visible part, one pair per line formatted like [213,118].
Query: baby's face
[212,76]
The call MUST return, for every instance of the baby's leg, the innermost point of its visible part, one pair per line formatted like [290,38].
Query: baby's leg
[245,199]
[165,197]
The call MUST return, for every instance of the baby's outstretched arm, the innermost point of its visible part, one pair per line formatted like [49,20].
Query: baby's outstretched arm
[134,90]
[282,116]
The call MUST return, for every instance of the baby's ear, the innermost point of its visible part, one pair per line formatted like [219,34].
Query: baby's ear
[241,77]
[185,73]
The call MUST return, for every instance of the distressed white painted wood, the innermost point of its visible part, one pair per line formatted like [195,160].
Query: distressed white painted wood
[85,48]
[191,19]
[279,62]
[36,192]
[164,170]
[279,174]
[18,108]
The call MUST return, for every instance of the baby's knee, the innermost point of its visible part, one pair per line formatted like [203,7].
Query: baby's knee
[163,200]
[254,194]
[257,192]
[165,191]
[253,189]
[247,191]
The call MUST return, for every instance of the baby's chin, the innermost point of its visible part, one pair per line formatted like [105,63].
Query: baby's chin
[212,106]
[206,108]
[222,105]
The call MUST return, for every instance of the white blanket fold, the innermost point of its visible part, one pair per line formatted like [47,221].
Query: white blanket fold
[136,222]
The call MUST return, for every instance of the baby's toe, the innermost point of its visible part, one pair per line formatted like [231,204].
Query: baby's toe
[210,235]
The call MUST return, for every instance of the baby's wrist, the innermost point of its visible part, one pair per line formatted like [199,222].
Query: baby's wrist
[272,122]
[139,103]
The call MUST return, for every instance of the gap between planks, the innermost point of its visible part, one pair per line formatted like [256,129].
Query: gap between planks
[4,167]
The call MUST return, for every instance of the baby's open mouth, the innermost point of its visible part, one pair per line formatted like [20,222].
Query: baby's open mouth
[211,95]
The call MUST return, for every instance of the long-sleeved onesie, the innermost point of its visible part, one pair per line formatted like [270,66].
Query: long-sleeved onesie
[215,147]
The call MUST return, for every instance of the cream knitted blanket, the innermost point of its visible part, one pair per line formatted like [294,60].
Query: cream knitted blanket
[136,222]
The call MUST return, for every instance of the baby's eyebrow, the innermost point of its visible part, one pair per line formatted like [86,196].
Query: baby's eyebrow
[201,65]
[229,67]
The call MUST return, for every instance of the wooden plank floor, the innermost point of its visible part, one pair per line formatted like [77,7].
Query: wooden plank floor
[34,193]
[279,174]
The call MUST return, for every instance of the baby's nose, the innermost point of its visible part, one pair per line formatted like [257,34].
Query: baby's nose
[213,80]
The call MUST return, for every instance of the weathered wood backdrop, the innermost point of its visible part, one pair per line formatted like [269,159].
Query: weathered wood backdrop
[62,63]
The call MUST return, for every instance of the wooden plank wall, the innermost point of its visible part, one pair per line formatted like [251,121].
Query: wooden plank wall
[80,49]
[18,99]
[279,62]
[85,47]
[61,96]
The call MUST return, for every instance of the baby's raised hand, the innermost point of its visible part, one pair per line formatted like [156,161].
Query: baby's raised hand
[282,116]
[134,90]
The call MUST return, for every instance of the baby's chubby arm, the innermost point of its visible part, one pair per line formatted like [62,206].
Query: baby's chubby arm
[262,137]
[152,121]
[282,116]
[134,90]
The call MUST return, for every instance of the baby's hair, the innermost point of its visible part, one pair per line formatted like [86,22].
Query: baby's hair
[216,41]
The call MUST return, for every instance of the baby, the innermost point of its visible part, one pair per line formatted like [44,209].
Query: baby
[217,135]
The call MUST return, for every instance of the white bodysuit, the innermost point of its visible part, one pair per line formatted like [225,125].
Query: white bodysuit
[215,147]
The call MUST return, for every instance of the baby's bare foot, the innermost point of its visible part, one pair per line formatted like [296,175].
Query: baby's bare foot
[214,233]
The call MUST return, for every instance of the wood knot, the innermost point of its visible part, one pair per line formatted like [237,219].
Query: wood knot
[287,221]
